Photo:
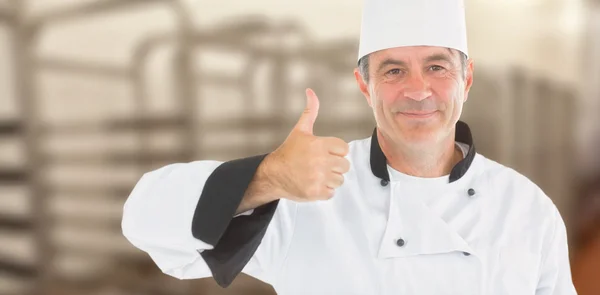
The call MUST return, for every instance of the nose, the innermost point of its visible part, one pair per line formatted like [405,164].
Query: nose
[417,88]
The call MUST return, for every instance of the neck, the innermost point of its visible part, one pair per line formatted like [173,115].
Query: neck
[434,161]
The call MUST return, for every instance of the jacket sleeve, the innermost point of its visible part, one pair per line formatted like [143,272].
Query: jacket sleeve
[182,216]
[555,275]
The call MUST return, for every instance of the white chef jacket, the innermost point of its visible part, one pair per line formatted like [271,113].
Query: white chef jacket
[488,231]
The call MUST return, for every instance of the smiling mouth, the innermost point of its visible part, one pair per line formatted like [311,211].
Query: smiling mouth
[418,115]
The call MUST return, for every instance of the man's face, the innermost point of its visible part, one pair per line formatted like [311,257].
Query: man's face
[416,93]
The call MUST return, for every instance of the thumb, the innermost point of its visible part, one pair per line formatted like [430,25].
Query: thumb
[309,116]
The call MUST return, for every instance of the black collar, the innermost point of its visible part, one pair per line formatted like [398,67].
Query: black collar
[463,135]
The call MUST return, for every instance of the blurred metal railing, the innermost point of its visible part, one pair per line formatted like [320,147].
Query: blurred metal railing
[19,233]
[46,250]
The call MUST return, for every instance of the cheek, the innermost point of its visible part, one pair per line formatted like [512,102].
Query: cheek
[447,92]
[444,89]
[387,94]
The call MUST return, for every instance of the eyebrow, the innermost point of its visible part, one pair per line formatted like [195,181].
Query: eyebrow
[434,57]
[391,61]
[439,57]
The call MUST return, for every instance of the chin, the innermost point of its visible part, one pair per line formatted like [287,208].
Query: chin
[420,136]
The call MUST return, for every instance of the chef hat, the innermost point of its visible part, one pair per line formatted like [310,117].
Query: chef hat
[396,23]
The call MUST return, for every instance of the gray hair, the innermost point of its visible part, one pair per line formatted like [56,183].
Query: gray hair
[363,66]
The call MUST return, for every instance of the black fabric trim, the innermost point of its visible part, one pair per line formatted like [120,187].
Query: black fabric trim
[238,244]
[221,196]
[378,160]
[235,240]
[462,134]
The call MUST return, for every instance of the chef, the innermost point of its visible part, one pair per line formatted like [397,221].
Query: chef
[410,209]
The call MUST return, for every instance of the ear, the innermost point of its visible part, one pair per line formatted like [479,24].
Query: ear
[468,78]
[364,87]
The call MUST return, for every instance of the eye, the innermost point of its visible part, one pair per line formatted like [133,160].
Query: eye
[393,72]
[436,68]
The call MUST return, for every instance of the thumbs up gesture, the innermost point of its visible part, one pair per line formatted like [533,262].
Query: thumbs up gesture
[310,167]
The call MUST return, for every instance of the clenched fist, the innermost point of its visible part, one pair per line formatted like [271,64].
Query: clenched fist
[309,167]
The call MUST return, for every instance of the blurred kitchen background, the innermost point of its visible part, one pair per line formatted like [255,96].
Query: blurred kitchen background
[95,93]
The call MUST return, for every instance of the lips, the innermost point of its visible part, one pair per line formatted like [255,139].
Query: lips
[418,114]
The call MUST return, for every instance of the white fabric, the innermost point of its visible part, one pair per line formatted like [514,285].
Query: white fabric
[396,23]
[347,245]
[463,147]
